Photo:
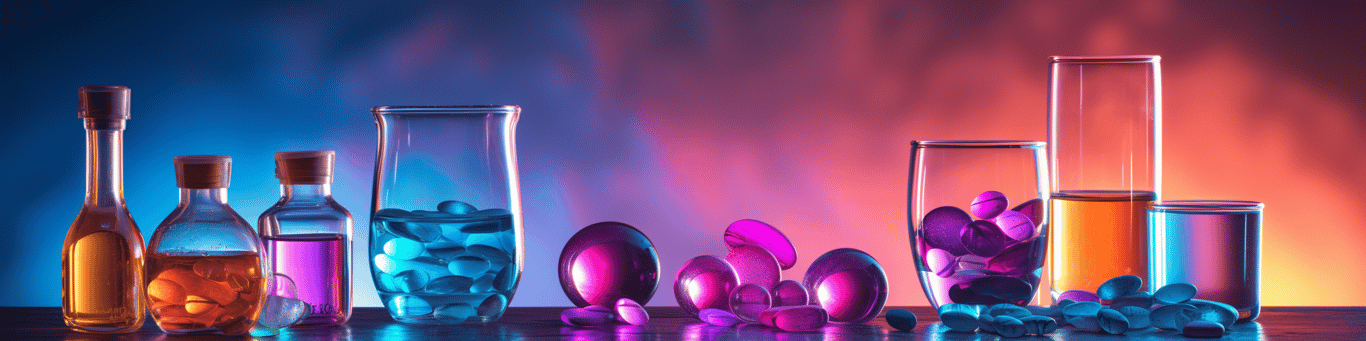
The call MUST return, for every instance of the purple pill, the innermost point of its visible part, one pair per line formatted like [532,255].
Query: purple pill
[1017,259]
[988,204]
[756,265]
[748,300]
[1079,296]
[849,284]
[1015,225]
[631,312]
[718,317]
[789,293]
[753,232]
[970,262]
[941,262]
[795,319]
[592,315]
[942,228]
[1032,209]
[983,238]
[704,282]
[608,261]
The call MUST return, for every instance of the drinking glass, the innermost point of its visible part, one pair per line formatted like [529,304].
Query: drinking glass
[977,213]
[1215,245]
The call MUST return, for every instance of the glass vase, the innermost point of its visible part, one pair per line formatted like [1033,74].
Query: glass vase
[446,227]
[977,213]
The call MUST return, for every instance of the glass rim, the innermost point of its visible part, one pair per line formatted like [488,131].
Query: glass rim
[1106,59]
[1207,206]
[445,109]
[978,144]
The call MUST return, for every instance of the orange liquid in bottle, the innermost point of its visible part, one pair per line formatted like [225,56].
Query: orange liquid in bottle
[102,273]
[189,294]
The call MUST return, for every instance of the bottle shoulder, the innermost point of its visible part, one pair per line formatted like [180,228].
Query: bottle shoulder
[109,219]
[287,218]
[200,229]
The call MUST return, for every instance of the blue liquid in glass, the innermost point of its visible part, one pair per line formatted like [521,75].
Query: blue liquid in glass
[465,271]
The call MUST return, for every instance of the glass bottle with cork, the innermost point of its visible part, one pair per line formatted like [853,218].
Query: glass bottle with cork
[307,235]
[102,259]
[204,265]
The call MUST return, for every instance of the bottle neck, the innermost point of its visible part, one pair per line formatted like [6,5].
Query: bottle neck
[204,198]
[305,193]
[104,166]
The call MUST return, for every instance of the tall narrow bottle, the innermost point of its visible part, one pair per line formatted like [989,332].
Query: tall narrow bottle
[102,254]
[307,235]
[204,268]
[1105,148]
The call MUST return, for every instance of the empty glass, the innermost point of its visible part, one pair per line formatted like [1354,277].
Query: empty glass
[977,213]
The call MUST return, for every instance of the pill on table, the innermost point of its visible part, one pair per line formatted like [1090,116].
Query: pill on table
[1138,317]
[797,319]
[1008,326]
[1170,316]
[1138,299]
[988,204]
[1119,286]
[1203,329]
[1082,308]
[984,323]
[901,319]
[1006,309]
[959,321]
[1015,225]
[1112,321]
[588,316]
[942,229]
[1217,312]
[718,317]
[1039,325]
[1079,296]
[983,238]
[1085,322]
[1174,293]
[631,312]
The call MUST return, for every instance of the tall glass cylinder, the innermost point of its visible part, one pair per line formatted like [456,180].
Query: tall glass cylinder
[1105,148]
[446,226]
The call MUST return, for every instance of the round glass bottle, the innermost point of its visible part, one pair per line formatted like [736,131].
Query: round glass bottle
[204,266]
[307,235]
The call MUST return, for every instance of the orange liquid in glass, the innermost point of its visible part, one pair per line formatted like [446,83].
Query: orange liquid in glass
[1097,235]
[102,273]
[190,294]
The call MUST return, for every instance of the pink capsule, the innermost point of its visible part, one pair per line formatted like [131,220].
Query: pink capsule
[588,316]
[789,293]
[795,319]
[988,204]
[941,262]
[756,265]
[631,312]
[942,229]
[1016,225]
[753,232]
[983,238]
[704,282]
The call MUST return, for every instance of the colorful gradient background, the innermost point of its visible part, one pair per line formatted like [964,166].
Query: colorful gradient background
[681,117]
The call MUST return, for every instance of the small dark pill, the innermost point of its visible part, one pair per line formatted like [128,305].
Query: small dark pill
[901,319]
[1203,329]
[1113,322]
[1039,325]
[1008,326]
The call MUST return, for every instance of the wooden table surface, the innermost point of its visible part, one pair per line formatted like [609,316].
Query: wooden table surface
[671,323]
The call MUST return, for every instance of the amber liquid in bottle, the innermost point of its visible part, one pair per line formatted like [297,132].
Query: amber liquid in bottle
[1097,235]
[102,255]
[203,293]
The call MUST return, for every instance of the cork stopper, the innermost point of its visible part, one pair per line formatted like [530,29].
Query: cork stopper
[202,171]
[104,101]
[304,168]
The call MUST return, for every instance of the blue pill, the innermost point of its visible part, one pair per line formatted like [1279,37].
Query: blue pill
[1039,325]
[958,307]
[403,248]
[1063,303]
[1119,286]
[1082,308]
[1085,322]
[1007,309]
[411,280]
[1008,326]
[1217,312]
[1141,300]
[1138,317]
[454,207]
[960,321]
[1174,293]
[984,322]
[901,319]
[1203,329]
[1173,316]
[406,306]
[1112,321]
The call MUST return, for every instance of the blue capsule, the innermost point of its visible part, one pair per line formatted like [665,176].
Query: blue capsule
[1039,325]
[1173,316]
[1119,286]
[1138,317]
[1174,293]
[1112,321]
[454,207]
[407,305]
[1215,312]
[1008,326]
[403,248]
[1007,309]
[901,319]
[1141,300]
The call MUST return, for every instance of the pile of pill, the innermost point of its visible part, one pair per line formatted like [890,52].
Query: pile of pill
[746,286]
[452,264]
[626,311]
[1172,307]
[990,260]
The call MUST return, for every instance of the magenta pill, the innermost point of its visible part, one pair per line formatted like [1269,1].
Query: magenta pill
[631,312]
[704,282]
[1079,296]
[983,238]
[789,293]
[753,232]
[1017,259]
[756,265]
[942,229]
[849,284]
[608,261]
[1032,209]
[587,316]
[941,262]
[748,300]
[795,319]
[1016,225]
[718,317]
[988,204]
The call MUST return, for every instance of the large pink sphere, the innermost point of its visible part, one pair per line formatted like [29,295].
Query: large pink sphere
[608,261]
